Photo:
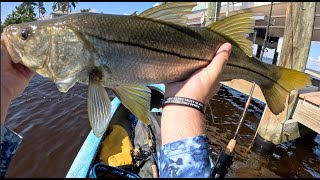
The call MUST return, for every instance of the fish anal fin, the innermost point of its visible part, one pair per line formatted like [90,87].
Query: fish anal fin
[99,108]
[236,28]
[136,98]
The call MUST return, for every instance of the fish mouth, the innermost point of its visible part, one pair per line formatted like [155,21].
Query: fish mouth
[15,54]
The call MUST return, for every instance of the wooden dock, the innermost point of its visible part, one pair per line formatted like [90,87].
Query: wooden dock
[278,19]
[303,105]
[307,111]
[315,78]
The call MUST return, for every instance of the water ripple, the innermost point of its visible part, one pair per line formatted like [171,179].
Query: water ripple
[54,126]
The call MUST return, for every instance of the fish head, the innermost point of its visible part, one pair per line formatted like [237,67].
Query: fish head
[52,49]
[25,44]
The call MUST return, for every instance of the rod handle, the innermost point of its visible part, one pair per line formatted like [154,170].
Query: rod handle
[230,147]
[154,171]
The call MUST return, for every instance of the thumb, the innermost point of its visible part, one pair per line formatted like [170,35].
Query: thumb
[216,65]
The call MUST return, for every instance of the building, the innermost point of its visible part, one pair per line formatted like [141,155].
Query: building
[261,10]
[59,13]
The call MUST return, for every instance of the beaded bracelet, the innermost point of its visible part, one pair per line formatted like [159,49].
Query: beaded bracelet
[184,102]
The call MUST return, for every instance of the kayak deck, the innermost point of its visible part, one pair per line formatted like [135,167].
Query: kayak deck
[86,156]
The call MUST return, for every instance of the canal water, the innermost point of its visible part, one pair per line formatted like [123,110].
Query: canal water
[54,125]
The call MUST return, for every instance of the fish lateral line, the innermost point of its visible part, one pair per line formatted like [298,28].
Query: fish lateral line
[146,47]
[240,67]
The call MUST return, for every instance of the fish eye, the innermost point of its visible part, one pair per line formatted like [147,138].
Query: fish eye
[24,34]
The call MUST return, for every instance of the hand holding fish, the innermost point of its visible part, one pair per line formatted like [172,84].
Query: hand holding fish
[180,122]
[14,79]
[203,84]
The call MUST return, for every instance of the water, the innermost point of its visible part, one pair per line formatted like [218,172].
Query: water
[54,125]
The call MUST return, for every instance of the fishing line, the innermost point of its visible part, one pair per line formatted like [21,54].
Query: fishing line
[211,112]
[266,35]
[254,137]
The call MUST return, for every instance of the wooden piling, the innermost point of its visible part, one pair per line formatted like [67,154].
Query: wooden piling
[213,12]
[294,54]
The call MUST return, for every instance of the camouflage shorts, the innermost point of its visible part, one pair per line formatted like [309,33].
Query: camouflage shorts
[10,141]
[187,158]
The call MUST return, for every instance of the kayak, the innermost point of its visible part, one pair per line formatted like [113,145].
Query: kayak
[96,150]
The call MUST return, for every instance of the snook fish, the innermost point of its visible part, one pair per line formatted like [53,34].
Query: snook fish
[125,53]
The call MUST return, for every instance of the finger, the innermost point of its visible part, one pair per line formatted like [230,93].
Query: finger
[24,71]
[5,57]
[215,67]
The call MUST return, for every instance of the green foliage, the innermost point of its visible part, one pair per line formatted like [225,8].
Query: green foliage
[23,13]
[64,7]
[85,10]
[41,9]
[2,27]
[26,9]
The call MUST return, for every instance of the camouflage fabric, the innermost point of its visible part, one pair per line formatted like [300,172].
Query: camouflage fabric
[10,141]
[187,158]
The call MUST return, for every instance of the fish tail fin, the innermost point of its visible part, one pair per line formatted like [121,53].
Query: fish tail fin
[286,80]
[235,30]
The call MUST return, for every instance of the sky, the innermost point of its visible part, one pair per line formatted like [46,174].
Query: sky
[126,8]
[105,7]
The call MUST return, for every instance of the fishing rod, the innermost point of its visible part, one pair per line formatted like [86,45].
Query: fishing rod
[226,157]
[152,146]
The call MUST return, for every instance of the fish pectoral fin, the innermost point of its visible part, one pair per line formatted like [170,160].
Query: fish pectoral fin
[99,108]
[136,98]
[171,12]
[236,28]
[65,84]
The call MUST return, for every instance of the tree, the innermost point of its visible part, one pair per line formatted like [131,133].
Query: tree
[85,10]
[72,5]
[29,8]
[22,13]
[41,8]
[58,6]
[26,11]
[2,27]
[64,7]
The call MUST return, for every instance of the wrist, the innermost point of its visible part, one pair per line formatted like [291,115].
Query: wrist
[198,96]
[180,122]
[182,101]
[5,103]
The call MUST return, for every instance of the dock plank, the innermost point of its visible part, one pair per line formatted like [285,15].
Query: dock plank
[307,111]
[308,115]
[312,97]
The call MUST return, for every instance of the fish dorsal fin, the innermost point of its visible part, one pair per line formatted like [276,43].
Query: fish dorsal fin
[134,14]
[99,108]
[236,28]
[172,12]
[136,98]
